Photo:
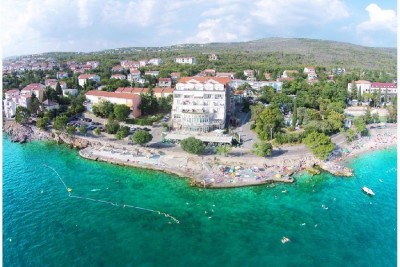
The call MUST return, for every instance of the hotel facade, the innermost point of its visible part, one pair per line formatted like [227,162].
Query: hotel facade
[202,104]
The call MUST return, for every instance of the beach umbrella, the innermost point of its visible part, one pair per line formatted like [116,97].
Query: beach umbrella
[277,175]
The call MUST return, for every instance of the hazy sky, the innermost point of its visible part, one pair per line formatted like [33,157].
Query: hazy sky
[35,26]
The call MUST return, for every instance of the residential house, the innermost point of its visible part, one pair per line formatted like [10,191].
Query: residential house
[130,100]
[162,92]
[118,76]
[50,105]
[129,64]
[143,63]
[84,77]
[185,60]
[164,82]
[212,57]
[155,61]
[62,75]
[117,68]
[268,76]
[289,74]
[207,73]
[175,76]
[362,86]
[134,76]
[248,73]
[153,73]
[70,91]
[34,88]
[202,104]
[311,74]
[92,64]
[225,74]
[390,88]
[53,83]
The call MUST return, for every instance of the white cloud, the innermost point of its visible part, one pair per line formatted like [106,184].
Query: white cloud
[379,19]
[298,12]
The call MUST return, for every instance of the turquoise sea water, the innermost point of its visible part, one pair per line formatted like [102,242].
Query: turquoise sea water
[42,226]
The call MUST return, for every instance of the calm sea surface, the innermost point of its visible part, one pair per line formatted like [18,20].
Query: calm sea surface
[42,226]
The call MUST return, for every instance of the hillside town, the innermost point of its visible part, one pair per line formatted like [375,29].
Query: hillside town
[212,112]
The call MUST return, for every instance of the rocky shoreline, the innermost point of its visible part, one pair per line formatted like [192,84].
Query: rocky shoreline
[202,171]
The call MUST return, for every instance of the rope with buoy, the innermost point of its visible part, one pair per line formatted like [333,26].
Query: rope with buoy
[69,190]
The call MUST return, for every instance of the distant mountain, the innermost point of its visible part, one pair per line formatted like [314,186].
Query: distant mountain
[283,52]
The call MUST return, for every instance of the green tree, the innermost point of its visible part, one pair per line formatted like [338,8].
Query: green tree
[270,121]
[353,94]
[34,105]
[58,89]
[71,129]
[97,131]
[121,112]
[193,145]
[335,121]
[367,116]
[375,117]
[294,116]
[60,122]
[112,125]
[142,137]
[360,125]
[350,135]
[41,123]
[262,149]
[103,109]
[320,144]
[122,132]
[82,129]
[223,149]
[22,115]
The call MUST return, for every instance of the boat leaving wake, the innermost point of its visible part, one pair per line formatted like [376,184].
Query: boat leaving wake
[96,189]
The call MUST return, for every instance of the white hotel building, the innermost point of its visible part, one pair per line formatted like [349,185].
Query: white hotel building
[202,104]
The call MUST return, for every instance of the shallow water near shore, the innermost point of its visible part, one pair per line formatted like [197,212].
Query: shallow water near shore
[329,220]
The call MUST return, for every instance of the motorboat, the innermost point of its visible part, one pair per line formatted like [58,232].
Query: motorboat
[368,191]
[285,240]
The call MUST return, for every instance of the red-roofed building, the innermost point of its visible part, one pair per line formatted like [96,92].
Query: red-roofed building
[34,88]
[164,82]
[62,75]
[118,76]
[117,68]
[175,76]
[130,100]
[391,88]
[134,76]
[84,77]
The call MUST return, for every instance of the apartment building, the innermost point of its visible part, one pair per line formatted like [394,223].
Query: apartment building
[202,104]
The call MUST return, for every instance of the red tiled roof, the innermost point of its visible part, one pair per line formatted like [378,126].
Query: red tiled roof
[383,85]
[129,90]
[12,91]
[86,76]
[111,94]
[223,80]
[168,90]
[362,81]
[34,86]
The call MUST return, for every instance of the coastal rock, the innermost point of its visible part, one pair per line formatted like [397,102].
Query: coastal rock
[73,141]
[19,133]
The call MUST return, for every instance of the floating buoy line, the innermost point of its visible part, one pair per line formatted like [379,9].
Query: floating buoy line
[69,190]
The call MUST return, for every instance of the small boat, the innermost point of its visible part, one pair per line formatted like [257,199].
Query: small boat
[285,240]
[69,189]
[368,191]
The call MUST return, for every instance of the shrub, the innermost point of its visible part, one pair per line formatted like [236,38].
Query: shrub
[142,137]
[193,145]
